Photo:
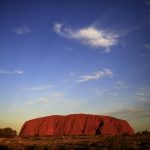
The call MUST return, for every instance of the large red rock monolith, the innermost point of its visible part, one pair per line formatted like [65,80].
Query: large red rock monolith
[75,124]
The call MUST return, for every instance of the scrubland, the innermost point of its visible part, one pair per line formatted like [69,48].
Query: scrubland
[139,141]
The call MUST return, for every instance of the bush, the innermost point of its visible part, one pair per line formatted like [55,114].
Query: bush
[7,132]
[143,133]
[146,133]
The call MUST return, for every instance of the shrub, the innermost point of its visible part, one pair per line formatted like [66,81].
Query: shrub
[7,132]
[143,133]
[146,133]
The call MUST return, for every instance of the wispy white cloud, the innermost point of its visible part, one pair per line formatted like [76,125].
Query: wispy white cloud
[145,55]
[69,49]
[30,102]
[43,100]
[147,46]
[58,94]
[96,75]
[98,92]
[18,72]
[113,94]
[105,92]
[57,28]
[96,38]
[147,2]
[38,100]
[133,112]
[69,76]
[72,74]
[22,30]
[142,96]
[120,85]
[7,72]
[38,88]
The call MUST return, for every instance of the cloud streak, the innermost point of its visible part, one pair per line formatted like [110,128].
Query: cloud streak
[91,36]
[132,112]
[22,30]
[7,72]
[39,100]
[96,75]
[147,46]
[58,94]
[38,88]
[147,2]
[143,96]
[120,85]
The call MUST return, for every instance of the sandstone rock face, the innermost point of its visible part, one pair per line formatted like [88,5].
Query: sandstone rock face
[75,124]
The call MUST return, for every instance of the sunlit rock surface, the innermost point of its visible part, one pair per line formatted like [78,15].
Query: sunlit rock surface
[75,124]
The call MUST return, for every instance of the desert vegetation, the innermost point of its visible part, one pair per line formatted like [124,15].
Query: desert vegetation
[7,132]
[138,141]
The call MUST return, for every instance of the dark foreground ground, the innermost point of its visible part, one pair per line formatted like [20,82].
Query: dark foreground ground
[77,143]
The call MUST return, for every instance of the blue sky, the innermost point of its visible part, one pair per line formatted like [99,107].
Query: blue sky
[65,56]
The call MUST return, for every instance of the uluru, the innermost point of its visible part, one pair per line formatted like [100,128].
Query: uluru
[75,124]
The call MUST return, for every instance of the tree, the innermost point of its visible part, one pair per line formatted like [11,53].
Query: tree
[7,132]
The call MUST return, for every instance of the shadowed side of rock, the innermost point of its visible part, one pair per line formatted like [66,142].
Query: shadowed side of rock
[75,124]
